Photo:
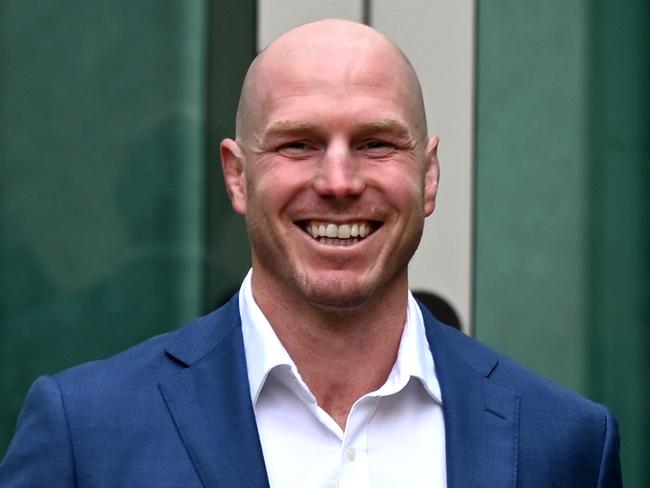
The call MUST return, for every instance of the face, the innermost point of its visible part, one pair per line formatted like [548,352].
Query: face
[335,180]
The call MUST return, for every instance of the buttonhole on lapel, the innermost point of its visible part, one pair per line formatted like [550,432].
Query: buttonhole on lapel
[496,414]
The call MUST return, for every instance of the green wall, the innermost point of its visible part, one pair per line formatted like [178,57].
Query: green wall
[562,200]
[619,245]
[531,171]
[109,113]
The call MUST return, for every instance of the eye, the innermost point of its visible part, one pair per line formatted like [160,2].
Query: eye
[296,149]
[377,148]
[298,145]
[376,144]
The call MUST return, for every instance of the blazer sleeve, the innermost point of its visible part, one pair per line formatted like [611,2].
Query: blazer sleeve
[40,453]
[609,475]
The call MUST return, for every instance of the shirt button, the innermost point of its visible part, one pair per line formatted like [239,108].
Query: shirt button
[350,453]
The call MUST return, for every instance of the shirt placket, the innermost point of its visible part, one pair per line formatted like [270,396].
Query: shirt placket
[354,467]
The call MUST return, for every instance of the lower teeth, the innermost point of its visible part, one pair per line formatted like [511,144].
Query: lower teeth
[337,242]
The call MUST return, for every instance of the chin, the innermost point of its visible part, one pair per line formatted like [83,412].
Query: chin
[339,302]
[339,295]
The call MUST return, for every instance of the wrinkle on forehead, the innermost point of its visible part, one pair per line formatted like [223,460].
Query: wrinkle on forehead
[333,51]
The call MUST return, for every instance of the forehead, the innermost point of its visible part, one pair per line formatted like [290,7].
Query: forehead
[316,82]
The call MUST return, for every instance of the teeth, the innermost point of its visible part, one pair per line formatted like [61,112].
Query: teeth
[344,234]
[337,242]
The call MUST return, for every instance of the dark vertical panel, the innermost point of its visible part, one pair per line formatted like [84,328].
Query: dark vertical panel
[366,12]
[101,171]
[620,224]
[230,49]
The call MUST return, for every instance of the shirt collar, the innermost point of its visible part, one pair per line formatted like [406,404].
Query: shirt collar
[264,351]
[414,359]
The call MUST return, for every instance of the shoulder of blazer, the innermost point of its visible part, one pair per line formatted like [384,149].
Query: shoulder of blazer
[451,347]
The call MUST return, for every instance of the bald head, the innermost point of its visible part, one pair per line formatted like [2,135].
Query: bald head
[330,51]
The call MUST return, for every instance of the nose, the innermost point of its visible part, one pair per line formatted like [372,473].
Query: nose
[338,174]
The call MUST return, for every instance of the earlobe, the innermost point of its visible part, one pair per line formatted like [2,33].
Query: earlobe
[431,175]
[232,163]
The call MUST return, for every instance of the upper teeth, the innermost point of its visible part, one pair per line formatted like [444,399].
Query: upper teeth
[343,231]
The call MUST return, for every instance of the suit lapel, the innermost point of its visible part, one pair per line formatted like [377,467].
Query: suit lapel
[481,418]
[210,402]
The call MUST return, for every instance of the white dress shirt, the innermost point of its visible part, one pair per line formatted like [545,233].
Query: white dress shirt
[394,436]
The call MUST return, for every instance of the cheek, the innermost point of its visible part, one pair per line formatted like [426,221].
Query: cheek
[402,185]
[276,186]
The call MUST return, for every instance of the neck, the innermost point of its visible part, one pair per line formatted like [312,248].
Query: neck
[342,354]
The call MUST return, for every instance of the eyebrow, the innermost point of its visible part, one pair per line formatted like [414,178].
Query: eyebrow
[393,126]
[288,127]
[388,124]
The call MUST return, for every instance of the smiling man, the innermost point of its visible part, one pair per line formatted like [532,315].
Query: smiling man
[323,370]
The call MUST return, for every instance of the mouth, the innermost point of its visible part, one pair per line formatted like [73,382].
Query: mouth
[332,234]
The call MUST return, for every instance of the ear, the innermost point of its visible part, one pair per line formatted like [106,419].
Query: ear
[431,175]
[232,163]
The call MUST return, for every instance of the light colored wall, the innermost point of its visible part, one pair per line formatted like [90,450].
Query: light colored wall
[274,17]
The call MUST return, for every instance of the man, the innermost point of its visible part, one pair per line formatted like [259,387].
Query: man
[323,370]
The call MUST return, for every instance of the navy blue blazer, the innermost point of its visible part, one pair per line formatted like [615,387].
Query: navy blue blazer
[175,411]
